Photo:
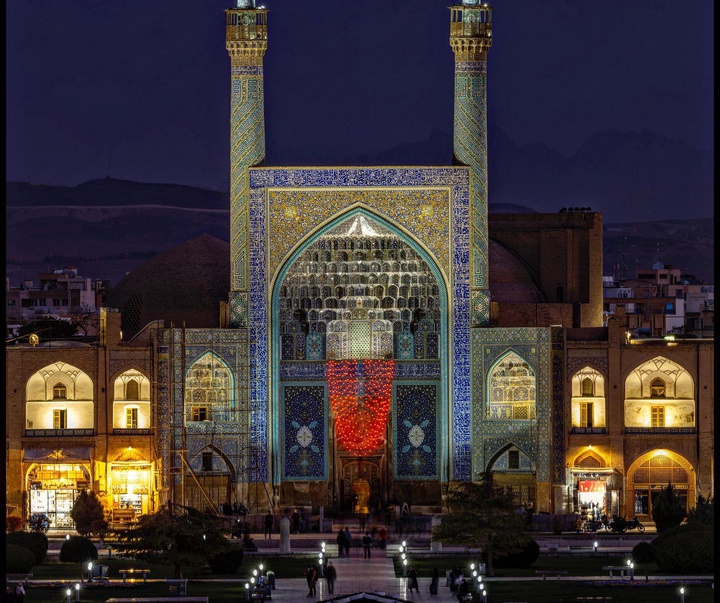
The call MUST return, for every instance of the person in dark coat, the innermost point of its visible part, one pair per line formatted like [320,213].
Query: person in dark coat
[462,590]
[367,546]
[268,525]
[434,582]
[330,577]
[312,581]
[348,540]
[412,580]
[341,542]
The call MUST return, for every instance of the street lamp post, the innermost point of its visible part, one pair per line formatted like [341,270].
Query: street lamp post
[89,568]
[68,592]
[682,594]
[77,592]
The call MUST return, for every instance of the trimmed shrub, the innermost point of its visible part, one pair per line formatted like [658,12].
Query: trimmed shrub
[689,553]
[684,528]
[78,549]
[643,552]
[521,559]
[668,509]
[88,508]
[227,562]
[35,542]
[18,559]
[703,511]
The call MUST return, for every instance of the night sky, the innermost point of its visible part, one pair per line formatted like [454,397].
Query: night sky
[139,89]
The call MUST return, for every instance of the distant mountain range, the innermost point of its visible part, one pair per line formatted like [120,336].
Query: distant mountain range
[655,195]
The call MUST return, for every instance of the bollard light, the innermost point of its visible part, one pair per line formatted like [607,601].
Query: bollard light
[404,543]
[247,592]
[204,537]
[400,548]
[404,568]
[77,592]
[261,567]
[67,536]
[682,594]
[595,548]
[89,566]
[252,580]
[67,593]
[254,572]
[403,557]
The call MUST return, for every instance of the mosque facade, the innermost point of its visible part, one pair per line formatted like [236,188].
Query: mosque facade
[383,338]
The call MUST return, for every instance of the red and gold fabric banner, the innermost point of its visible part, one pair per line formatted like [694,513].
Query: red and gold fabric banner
[360,393]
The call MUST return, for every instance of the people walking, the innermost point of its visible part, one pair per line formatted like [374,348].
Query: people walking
[313,580]
[268,525]
[311,577]
[330,577]
[20,593]
[412,580]
[434,582]
[367,545]
[348,540]
[341,542]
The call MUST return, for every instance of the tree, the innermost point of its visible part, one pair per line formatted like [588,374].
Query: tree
[78,549]
[643,553]
[179,536]
[86,319]
[49,328]
[668,509]
[482,515]
[87,510]
[704,511]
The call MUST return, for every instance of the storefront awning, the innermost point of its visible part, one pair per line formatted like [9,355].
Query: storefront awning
[47,455]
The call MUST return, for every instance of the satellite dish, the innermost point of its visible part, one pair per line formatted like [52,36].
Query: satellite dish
[34,339]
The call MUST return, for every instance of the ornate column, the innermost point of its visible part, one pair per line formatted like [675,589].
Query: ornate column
[470,39]
[246,42]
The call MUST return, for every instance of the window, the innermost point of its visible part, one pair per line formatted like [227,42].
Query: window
[200,413]
[207,461]
[587,387]
[59,392]
[657,388]
[59,418]
[131,418]
[586,414]
[132,390]
[513,459]
[657,416]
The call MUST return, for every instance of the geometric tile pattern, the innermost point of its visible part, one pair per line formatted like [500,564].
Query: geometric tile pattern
[470,148]
[533,436]
[360,188]
[415,431]
[305,432]
[247,136]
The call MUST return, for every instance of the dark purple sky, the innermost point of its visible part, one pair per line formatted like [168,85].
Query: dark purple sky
[139,89]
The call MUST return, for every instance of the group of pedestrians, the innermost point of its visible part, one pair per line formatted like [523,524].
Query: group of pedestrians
[311,575]
[344,539]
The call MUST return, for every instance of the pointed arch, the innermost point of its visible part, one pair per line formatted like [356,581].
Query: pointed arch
[588,404]
[659,395]
[209,390]
[398,232]
[59,396]
[511,388]
[652,471]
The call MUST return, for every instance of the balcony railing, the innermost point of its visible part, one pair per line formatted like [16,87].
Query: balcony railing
[588,430]
[58,433]
[134,431]
[659,430]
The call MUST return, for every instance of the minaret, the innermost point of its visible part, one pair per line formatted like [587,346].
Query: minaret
[470,39]
[246,41]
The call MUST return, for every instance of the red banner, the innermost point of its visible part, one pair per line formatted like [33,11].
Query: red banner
[591,486]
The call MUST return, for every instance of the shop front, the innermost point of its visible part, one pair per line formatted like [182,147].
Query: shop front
[596,494]
[54,480]
[131,487]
